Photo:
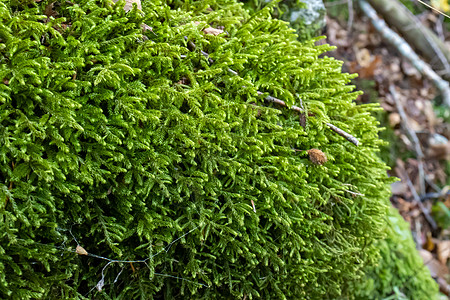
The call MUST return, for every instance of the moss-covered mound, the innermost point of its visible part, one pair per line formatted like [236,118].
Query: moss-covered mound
[137,146]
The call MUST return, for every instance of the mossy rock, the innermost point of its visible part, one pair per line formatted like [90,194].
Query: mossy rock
[132,145]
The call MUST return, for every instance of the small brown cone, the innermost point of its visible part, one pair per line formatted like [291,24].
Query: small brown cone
[317,157]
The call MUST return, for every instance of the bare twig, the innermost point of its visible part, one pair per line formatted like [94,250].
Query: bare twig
[424,210]
[436,10]
[413,136]
[346,135]
[280,102]
[350,15]
[406,51]
[272,99]
[434,195]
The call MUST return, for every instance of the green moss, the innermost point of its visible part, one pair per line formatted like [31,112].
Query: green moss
[127,141]
[400,273]
[307,17]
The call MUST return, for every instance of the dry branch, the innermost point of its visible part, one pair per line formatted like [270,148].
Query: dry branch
[406,50]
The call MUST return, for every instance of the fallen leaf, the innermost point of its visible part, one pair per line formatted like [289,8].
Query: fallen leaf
[409,70]
[399,188]
[365,64]
[394,119]
[364,58]
[80,251]
[212,31]
[443,251]
[439,147]
[436,268]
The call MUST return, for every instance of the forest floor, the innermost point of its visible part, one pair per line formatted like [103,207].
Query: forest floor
[417,128]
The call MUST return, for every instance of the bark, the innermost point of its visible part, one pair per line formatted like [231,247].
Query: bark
[419,37]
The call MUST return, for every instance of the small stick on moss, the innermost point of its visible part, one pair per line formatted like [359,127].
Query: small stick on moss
[346,135]
[267,98]
[280,102]
[272,99]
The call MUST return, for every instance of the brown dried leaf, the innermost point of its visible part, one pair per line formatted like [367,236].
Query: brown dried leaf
[443,251]
[436,268]
[365,64]
[399,188]
[439,147]
[80,251]
[363,58]
[394,119]
[409,70]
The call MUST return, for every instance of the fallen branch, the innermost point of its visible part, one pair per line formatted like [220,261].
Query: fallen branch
[405,50]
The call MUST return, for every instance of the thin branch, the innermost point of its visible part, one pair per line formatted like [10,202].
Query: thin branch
[346,135]
[350,15]
[434,195]
[435,9]
[406,51]
[413,136]
[272,99]
[280,102]
[424,210]
[268,98]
